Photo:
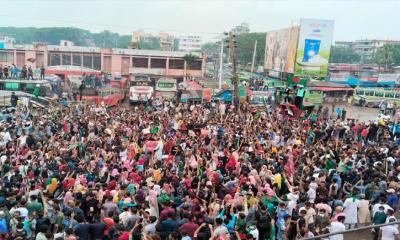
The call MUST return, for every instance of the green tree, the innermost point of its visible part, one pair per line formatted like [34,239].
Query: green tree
[245,46]
[343,55]
[388,56]
[53,35]
[189,59]
[151,44]
[211,49]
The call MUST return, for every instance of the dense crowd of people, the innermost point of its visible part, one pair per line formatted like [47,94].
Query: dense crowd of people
[193,172]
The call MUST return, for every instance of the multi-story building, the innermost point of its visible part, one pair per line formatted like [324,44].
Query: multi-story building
[366,48]
[111,60]
[4,40]
[345,44]
[165,40]
[244,27]
[189,44]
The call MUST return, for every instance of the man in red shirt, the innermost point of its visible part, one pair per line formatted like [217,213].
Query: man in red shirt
[188,227]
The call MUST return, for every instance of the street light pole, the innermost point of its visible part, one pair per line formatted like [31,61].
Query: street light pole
[232,46]
[220,64]
[254,56]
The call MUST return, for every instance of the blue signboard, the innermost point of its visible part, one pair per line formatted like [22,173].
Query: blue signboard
[1,45]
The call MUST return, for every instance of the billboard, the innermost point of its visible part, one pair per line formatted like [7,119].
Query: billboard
[315,40]
[339,77]
[280,49]
[389,78]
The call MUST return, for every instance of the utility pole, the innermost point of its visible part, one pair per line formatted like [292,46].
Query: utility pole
[254,57]
[220,65]
[235,80]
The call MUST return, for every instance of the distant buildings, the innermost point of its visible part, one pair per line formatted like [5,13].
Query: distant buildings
[66,43]
[365,48]
[160,41]
[189,44]
[154,63]
[4,41]
[242,28]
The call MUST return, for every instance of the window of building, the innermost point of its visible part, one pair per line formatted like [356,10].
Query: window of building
[176,64]
[97,62]
[195,65]
[39,59]
[77,60]
[158,63]
[88,61]
[140,62]
[54,59]
[7,57]
[66,59]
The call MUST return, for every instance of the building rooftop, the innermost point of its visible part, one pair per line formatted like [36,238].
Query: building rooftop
[124,51]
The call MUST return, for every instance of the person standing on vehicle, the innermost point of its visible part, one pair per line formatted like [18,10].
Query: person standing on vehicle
[14,99]
[81,87]
[42,72]
[5,71]
[1,71]
[30,73]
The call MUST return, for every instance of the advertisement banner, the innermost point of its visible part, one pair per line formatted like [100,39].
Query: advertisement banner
[280,49]
[389,78]
[315,40]
[207,92]
[339,77]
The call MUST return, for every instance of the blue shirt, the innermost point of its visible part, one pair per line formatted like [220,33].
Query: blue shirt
[392,200]
[3,226]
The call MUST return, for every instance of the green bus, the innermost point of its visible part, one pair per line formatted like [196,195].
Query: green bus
[372,97]
[28,86]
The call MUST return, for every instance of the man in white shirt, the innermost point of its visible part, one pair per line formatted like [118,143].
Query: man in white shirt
[376,206]
[389,232]
[337,226]
[220,230]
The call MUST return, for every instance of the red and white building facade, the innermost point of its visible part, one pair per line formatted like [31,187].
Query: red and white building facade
[111,60]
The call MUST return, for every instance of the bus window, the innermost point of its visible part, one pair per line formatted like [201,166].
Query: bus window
[379,94]
[361,92]
[369,93]
[11,86]
[397,95]
[357,92]
[389,95]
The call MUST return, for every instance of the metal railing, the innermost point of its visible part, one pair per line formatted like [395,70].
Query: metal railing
[325,236]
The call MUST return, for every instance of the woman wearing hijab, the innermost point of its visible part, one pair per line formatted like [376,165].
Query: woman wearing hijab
[52,187]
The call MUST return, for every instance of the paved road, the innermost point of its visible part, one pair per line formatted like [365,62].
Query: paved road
[355,112]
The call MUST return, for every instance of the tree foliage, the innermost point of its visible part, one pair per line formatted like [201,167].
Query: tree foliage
[245,46]
[388,55]
[189,59]
[152,44]
[343,55]
[53,35]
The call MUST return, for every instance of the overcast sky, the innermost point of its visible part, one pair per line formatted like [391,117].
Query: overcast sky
[354,19]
